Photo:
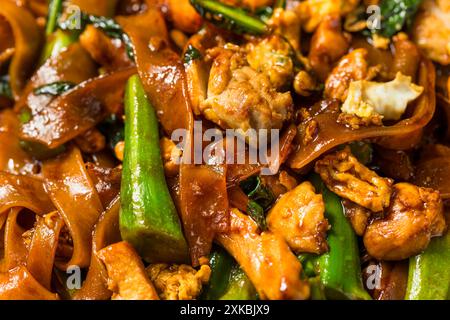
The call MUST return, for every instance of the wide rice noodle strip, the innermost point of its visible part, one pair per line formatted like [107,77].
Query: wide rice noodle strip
[77,111]
[434,173]
[13,158]
[19,284]
[27,41]
[43,247]
[106,232]
[164,79]
[332,134]
[72,64]
[15,250]
[23,192]
[75,197]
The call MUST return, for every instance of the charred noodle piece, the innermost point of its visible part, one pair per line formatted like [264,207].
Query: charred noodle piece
[76,111]
[230,18]
[127,278]
[19,284]
[204,212]
[340,268]
[265,258]
[104,8]
[106,232]
[228,281]
[429,276]
[27,42]
[74,195]
[149,219]
[345,176]
[332,134]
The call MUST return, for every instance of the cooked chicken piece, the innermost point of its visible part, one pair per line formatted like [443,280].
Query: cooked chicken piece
[345,176]
[287,23]
[313,12]
[109,53]
[354,122]
[352,67]
[413,218]
[431,30]
[305,84]
[184,16]
[407,56]
[240,97]
[328,45]
[298,216]
[178,282]
[127,278]
[388,99]
[272,57]
[357,215]
[265,258]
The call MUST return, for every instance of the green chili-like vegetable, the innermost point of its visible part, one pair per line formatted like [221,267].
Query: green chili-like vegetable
[228,281]
[148,217]
[230,18]
[56,42]
[429,272]
[55,88]
[54,12]
[339,269]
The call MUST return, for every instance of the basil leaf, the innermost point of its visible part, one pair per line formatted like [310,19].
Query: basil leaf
[258,192]
[5,88]
[257,213]
[192,54]
[55,88]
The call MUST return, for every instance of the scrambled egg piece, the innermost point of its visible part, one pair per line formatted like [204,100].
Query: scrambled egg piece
[390,99]
[178,282]
[413,218]
[431,30]
[298,216]
[345,176]
[312,12]
[240,97]
[272,56]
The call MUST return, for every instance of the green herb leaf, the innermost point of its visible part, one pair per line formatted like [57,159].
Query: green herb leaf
[258,192]
[257,213]
[54,12]
[192,53]
[108,25]
[395,15]
[230,18]
[55,88]
[5,88]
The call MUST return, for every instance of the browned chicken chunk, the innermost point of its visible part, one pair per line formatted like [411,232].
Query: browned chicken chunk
[413,218]
[328,45]
[240,97]
[178,282]
[352,67]
[298,217]
[127,278]
[345,176]
[357,215]
[266,259]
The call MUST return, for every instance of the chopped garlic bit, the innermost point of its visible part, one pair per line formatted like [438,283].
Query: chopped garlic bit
[390,99]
